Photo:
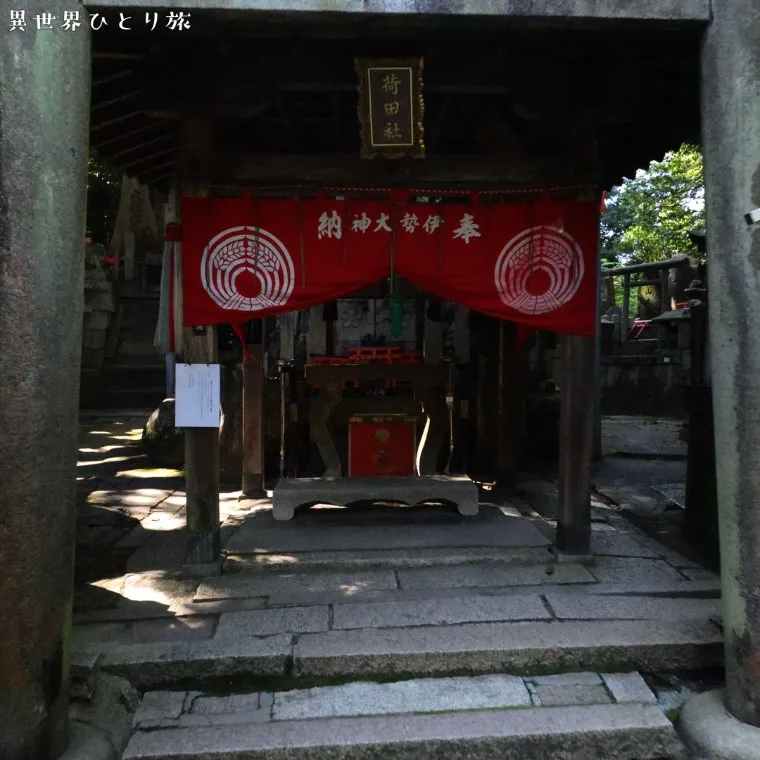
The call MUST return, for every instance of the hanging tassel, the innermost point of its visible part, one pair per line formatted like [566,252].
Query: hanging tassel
[239,329]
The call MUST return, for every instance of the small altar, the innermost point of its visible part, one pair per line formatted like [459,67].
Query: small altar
[388,395]
[291,493]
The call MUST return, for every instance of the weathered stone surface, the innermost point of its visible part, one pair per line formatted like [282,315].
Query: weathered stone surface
[567,679]
[87,742]
[110,709]
[45,86]
[173,629]
[243,717]
[492,575]
[629,687]
[159,709]
[573,733]
[567,694]
[149,665]
[371,559]
[267,622]
[161,440]
[425,528]
[634,570]
[488,647]
[470,609]
[130,498]
[241,587]
[82,672]
[606,541]
[657,588]
[424,695]
[731,128]
[672,589]
[233,703]
[630,608]
[130,610]
[712,733]
[699,574]
[115,633]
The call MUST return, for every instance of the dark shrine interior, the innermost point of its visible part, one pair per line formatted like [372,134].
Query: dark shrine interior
[270,103]
[506,102]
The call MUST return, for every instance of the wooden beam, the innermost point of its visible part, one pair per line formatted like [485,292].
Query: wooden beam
[149,157]
[124,134]
[116,120]
[118,99]
[111,77]
[139,146]
[575,445]
[157,172]
[345,170]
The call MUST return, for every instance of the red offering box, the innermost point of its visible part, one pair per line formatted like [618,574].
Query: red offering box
[381,446]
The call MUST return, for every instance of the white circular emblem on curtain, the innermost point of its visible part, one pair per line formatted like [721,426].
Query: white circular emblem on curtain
[539,270]
[243,269]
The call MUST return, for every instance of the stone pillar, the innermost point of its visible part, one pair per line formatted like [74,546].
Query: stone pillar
[44,112]
[731,137]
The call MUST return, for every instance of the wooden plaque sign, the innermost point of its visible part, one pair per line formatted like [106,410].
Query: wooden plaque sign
[391,108]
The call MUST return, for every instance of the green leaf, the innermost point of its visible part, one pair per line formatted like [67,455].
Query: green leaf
[649,216]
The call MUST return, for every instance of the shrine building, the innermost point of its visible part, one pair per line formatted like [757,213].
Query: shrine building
[394,207]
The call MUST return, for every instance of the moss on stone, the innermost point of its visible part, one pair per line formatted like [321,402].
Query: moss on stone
[673,715]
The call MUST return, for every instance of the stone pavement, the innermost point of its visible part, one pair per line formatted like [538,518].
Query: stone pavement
[299,641]
[162,716]
[642,437]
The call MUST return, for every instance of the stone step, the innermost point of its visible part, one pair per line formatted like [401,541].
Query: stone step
[245,564]
[236,652]
[493,716]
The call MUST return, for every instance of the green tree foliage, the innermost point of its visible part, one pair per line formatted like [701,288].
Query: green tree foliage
[648,218]
[103,192]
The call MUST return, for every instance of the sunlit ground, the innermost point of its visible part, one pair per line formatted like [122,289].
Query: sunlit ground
[145,472]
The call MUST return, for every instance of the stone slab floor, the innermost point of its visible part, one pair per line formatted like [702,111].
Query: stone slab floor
[329,632]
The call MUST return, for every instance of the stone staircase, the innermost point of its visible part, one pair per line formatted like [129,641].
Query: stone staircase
[410,657]
[485,717]
[133,375]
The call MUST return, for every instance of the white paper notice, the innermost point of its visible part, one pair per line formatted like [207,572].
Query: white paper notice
[197,401]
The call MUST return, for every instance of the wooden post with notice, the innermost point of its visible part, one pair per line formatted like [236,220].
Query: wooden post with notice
[575,445]
[202,466]
[254,388]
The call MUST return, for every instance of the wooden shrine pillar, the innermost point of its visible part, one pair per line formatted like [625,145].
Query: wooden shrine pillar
[575,444]
[510,404]
[254,394]
[199,345]
[202,464]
